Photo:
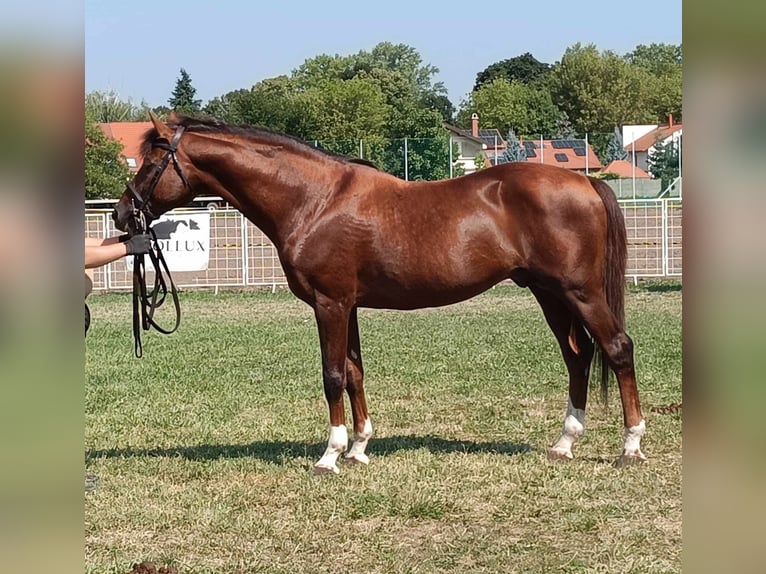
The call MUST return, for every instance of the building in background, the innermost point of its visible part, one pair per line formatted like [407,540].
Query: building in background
[639,140]
[130,135]
[572,154]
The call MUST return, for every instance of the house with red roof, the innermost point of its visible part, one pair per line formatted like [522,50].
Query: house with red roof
[625,170]
[130,135]
[639,140]
[487,143]
[572,154]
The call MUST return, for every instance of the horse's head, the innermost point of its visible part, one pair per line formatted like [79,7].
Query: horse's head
[155,189]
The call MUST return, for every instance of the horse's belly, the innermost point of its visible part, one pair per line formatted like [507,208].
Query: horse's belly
[415,290]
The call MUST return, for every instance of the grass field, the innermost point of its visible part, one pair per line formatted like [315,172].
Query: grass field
[203,448]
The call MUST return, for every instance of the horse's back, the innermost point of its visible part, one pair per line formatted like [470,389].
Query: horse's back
[454,238]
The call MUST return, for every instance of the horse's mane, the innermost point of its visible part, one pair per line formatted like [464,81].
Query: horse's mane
[209,125]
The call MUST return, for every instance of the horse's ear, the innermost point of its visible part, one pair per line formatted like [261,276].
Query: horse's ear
[173,119]
[163,130]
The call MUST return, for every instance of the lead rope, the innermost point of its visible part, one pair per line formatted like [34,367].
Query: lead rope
[144,305]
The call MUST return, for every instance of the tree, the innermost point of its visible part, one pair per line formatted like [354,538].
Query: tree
[505,105]
[664,64]
[406,61]
[414,107]
[106,107]
[274,104]
[441,104]
[564,129]
[349,110]
[525,69]
[600,90]
[370,100]
[514,151]
[480,161]
[182,99]
[657,59]
[663,161]
[105,171]
[616,150]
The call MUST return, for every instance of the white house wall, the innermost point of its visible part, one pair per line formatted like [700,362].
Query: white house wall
[632,133]
[468,150]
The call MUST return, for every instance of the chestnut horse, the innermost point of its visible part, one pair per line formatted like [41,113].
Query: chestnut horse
[350,236]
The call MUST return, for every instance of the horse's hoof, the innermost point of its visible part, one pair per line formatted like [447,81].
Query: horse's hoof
[557,455]
[630,459]
[326,469]
[358,458]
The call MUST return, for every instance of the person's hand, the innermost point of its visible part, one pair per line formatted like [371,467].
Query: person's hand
[138,244]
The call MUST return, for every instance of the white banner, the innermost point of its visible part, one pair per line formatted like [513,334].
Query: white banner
[184,240]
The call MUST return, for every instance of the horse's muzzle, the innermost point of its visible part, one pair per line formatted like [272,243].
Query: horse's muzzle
[122,215]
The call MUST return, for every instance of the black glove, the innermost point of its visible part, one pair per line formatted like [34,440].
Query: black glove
[138,244]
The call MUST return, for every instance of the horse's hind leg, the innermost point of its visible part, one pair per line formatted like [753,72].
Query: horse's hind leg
[577,350]
[618,348]
[355,390]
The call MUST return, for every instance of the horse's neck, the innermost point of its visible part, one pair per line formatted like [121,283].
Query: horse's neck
[255,183]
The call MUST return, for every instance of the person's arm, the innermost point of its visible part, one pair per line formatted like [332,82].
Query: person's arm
[97,241]
[101,252]
[99,255]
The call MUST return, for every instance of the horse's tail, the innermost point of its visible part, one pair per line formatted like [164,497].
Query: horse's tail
[614,272]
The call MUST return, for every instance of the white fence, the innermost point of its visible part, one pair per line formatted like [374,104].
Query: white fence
[242,256]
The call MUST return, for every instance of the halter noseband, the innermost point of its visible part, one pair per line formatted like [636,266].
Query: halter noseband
[140,209]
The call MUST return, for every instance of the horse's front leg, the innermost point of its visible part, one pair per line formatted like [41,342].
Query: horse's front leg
[355,389]
[332,320]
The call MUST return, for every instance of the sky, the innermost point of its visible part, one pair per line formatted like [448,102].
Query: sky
[137,48]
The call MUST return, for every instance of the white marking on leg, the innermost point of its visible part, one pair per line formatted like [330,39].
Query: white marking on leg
[633,436]
[574,428]
[336,445]
[356,453]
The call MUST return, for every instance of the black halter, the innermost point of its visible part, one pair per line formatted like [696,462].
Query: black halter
[145,303]
[140,204]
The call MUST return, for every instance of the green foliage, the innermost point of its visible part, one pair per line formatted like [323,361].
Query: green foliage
[564,129]
[599,142]
[587,91]
[383,95]
[458,167]
[349,109]
[664,63]
[525,69]
[605,176]
[505,105]
[182,99]
[514,151]
[663,161]
[480,161]
[106,107]
[441,104]
[615,149]
[600,90]
[657,59]
[378,97]
[105,171]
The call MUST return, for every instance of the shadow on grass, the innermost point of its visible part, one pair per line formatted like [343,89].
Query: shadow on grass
[279,451]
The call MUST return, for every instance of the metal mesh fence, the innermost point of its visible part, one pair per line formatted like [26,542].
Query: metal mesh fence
[644,225]
[673,239]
